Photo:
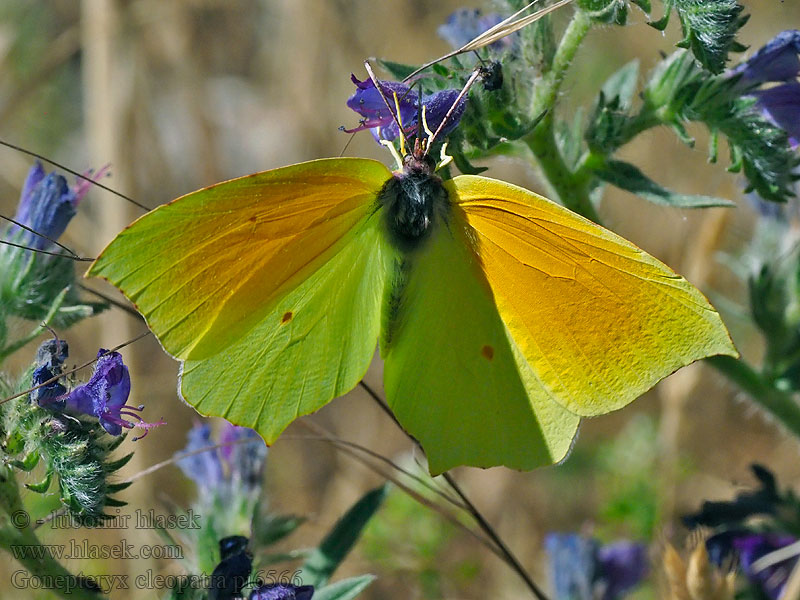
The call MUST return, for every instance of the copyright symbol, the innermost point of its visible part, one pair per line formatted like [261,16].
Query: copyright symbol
[20,519]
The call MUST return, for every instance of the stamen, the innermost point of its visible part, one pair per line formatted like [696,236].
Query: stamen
[393,150]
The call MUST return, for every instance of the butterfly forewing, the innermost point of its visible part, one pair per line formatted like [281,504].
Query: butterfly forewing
[598,320]
[207,267]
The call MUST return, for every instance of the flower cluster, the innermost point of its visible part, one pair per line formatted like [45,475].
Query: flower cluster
[237,464]
[104,396]
[466,24]
[583,569]
[376,116]
[282,591]
[751,529]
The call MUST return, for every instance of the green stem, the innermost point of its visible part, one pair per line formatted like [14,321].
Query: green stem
[780,404]
[16,534]
[572,189]
[38,330]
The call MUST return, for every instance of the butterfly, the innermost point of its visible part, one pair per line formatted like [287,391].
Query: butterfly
[502,317]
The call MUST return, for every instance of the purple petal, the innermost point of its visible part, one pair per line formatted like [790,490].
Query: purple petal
[35,175]
[46,205]
[204,468]
[777,60]
[368,103]
[572,565]
[437,106]
[466,24]
[622,565]
[782,105]
[755,546]
[282,591]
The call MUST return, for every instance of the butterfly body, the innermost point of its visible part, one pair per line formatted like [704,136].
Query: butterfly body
[413,201]
[502,317]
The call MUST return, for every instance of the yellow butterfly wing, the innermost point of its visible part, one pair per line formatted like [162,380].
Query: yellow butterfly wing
[207,267]
[598,320]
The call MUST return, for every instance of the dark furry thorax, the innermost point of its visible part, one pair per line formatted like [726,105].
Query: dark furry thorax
[413,201]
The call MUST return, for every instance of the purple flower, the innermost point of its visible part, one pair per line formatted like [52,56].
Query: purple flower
[573,565]
[282,591]
[752,547]
[582,569]
[777,60]
[244,460]
[622,565]
[465,24]
[238,464]
[368,103]
[105,396]
[49,359]
[47,205]
[749,547]
[204,468]
[781,104]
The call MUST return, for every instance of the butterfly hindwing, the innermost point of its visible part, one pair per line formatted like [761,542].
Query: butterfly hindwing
[452,374]
[599,320]
[314,345]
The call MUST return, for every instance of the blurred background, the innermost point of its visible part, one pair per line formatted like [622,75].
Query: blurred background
[179,95]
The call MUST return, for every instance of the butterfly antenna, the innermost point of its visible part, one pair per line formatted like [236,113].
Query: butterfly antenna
[396,117]
[78,368]
[472,79]
[73,172]
[502,29]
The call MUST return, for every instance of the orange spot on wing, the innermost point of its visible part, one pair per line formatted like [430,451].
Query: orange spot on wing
[287,316]
[487,352]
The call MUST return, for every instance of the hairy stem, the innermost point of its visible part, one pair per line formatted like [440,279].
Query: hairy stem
[17,537]
[572,189]
[778,403]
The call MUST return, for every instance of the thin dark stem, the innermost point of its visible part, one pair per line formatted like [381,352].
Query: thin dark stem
[73,172]
[506,552]
[41,235]
[71,256]
[78,368]
[131,311]
[489,530]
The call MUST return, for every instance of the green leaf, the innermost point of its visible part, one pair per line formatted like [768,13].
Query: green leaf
[398,71]
[622,84]
[605,11]
[273,528]
[42,486]
[324,560]
[628,177]
[345,589]
[709,28]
